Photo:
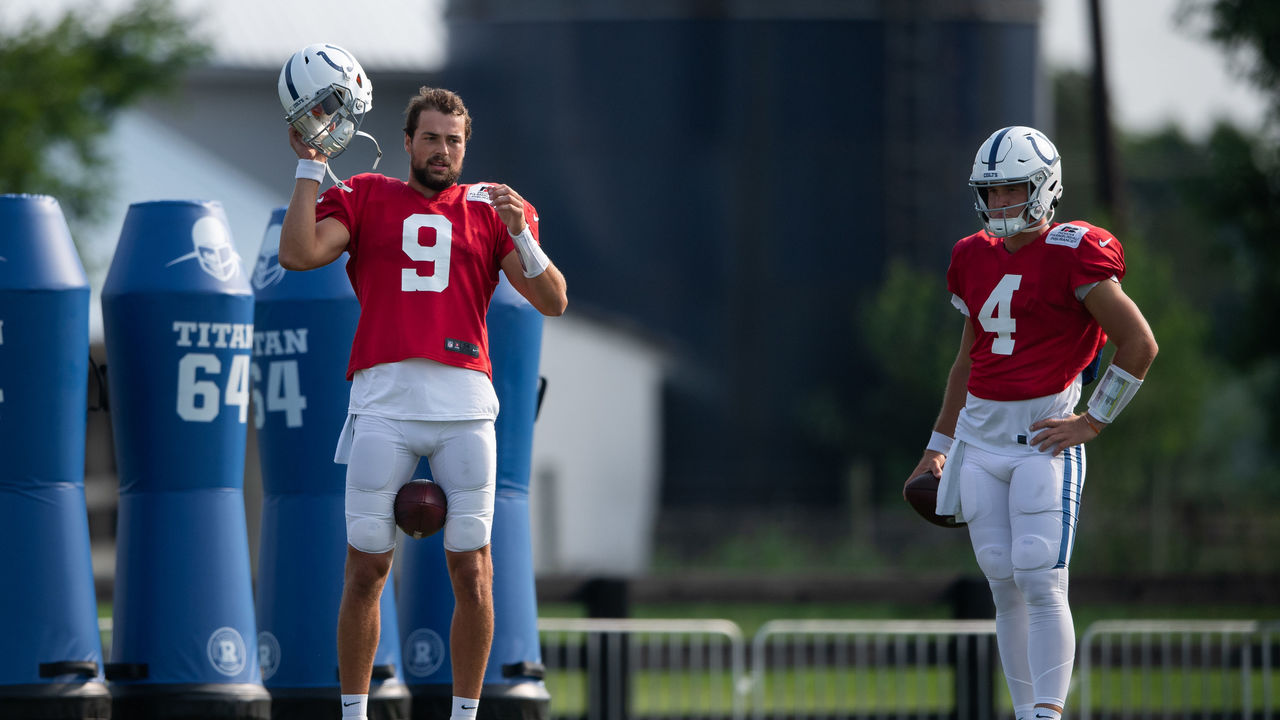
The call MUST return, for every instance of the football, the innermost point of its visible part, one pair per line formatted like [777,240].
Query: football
[420,508]
[921,492]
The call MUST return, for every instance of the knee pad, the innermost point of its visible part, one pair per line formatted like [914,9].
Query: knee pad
[371,534]
[466,533]
[995,562]
[1043,587]
[1034,552]
[371,525]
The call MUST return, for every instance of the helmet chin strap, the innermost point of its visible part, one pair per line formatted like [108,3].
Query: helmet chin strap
[376,146]
[343,186]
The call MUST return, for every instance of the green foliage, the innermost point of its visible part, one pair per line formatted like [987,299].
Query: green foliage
[911,328]
[1237,193]
[65,84]
[912,334]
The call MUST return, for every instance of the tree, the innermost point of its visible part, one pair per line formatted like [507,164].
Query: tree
[1241,196]
[65,84]
[1250,31]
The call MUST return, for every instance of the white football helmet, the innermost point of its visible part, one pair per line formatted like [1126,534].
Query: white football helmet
[1016,155]
[325,94]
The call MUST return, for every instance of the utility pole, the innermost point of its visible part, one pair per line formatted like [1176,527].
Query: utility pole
[1111,194]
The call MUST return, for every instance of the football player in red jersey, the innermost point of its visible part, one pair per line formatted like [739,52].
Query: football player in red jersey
[424,261]
[1040,300]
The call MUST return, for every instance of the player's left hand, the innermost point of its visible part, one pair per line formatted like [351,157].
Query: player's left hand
[510,207]
[1061,433]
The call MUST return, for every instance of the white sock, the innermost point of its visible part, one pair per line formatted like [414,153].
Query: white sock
[355,707]
[1023,712]
[464,708]
[1044,713]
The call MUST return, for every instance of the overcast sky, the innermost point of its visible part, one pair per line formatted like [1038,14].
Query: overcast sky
[1157,70]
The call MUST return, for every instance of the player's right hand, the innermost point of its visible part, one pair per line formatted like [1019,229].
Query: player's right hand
[930,462]
[303,150]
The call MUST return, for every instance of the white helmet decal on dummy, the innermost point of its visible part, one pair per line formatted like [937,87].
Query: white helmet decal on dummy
[325,93]
[1014,156]
[212,248]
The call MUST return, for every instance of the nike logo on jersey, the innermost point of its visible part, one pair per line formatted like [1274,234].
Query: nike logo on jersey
[1103,243]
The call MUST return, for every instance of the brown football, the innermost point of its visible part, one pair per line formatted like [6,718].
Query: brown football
[420,508]
[921,492]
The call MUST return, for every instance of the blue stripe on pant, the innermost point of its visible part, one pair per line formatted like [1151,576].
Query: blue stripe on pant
[1073,467]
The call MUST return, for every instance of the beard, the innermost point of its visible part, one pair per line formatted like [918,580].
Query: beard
[422,173]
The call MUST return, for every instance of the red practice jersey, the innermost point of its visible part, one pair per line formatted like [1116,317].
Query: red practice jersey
[1033,335]
[423,269]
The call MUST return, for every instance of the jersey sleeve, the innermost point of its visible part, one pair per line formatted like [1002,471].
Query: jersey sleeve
[955,272]
[335,203]
[342,205]
[1100,257]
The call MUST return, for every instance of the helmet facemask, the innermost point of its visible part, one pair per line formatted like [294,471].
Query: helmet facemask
[1018,217]
[329,121]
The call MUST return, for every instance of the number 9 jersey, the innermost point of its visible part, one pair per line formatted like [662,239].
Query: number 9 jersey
[423,269]
[1034,334]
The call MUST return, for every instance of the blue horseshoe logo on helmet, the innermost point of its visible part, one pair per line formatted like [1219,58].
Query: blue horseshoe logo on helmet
[1036,146]
[332,64]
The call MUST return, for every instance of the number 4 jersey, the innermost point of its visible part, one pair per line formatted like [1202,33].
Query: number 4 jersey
[1034,334]
[423,269]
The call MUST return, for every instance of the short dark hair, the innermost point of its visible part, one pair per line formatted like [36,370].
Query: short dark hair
[429,98]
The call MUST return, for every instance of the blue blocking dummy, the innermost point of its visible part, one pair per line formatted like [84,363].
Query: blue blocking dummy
[303,326]
[51,665]
[178,319]
[513,686]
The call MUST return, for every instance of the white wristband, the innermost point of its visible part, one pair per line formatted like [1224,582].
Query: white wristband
[1116,388]
[310,170]
[532,259]
[939,443]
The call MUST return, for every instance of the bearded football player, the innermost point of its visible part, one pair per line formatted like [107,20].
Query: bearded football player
[424,257]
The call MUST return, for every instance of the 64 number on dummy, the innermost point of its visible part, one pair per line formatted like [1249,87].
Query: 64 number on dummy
[200,394]
[203,388]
